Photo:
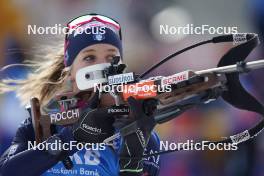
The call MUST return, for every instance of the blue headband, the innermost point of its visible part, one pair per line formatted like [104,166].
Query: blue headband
[75,43]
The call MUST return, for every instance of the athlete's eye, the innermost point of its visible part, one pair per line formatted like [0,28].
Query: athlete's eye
[89,58]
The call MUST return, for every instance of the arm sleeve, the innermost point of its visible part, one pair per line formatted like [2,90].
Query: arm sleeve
[151,165]
[17,159]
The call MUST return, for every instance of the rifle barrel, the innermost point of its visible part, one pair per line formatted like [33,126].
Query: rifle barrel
[233,68]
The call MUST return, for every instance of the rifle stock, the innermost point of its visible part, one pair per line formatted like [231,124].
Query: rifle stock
[35,113]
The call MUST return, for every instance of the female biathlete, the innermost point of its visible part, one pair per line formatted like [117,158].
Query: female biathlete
[56,75]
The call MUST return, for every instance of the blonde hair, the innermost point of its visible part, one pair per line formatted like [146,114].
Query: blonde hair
[47,78]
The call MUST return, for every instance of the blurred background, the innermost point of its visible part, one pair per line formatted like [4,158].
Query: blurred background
[144,46]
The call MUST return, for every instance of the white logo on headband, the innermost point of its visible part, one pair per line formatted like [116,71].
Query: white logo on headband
[98,37]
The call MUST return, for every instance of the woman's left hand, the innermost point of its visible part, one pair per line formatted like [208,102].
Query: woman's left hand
[94,126]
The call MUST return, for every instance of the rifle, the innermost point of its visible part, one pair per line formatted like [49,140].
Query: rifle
[189,88]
